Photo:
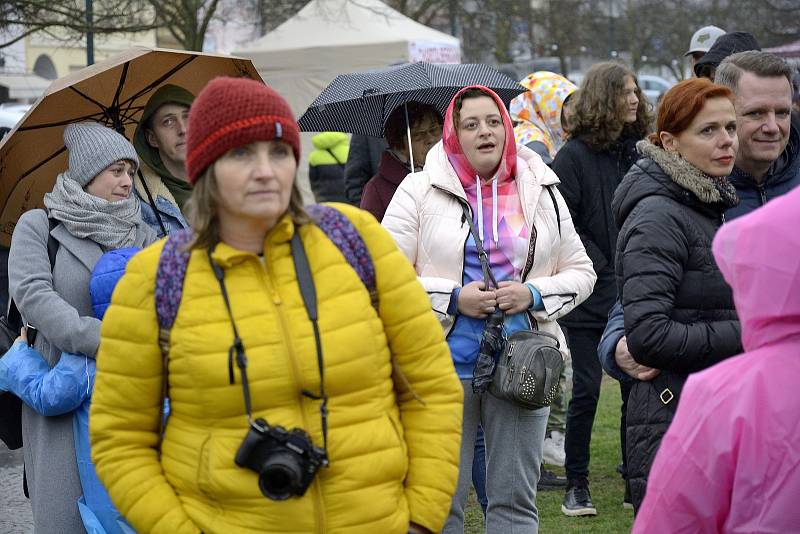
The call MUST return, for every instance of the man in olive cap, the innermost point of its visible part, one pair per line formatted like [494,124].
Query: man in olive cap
[160,141]
[701,42]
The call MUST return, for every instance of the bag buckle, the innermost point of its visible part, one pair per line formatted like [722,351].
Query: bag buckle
[666,396]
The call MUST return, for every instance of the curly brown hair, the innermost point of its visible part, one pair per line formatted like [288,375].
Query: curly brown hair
[599,114]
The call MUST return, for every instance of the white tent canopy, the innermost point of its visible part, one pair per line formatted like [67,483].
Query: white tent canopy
[331,37]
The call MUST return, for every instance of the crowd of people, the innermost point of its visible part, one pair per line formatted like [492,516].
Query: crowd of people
[265,366]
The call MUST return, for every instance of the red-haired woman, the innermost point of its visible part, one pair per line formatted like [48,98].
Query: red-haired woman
[679,312]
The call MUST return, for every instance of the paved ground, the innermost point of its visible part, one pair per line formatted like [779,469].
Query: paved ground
[15,510]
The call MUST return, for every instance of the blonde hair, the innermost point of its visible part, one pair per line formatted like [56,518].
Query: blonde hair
[203,205]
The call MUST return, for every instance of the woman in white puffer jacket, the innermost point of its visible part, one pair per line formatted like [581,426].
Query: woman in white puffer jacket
[535,254]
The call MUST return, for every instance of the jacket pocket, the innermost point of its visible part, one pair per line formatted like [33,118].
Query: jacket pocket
[218,476]
[400,441]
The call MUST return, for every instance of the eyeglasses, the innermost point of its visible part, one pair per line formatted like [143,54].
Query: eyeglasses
[434,133]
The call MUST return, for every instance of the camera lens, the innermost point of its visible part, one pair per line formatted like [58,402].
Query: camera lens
[280,476]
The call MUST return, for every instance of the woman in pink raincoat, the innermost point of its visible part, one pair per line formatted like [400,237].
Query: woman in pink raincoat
[730,462]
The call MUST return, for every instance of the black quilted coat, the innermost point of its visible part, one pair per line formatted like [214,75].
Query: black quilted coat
[589,178]
[679,312]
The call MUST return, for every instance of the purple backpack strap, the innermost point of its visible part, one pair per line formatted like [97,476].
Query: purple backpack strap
[169,278]
[169,289]
[345,236]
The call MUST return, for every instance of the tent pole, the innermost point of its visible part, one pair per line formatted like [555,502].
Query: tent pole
[408,131]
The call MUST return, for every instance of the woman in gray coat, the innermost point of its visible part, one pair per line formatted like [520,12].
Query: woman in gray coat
[89,211]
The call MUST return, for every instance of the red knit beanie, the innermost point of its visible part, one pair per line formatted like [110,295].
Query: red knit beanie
[232,112]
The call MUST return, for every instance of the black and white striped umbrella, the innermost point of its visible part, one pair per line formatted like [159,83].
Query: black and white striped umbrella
[361,102]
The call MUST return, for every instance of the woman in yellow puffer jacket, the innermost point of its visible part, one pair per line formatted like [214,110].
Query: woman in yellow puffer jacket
[388,461]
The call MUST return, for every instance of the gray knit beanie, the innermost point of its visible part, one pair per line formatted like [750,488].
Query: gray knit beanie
[93,147]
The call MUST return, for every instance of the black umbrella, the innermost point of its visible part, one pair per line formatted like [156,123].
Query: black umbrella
[361,102]
[492,344]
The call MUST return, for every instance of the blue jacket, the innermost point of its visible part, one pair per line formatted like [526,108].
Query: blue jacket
[615,330]
[782,177]
[66,388]
[167,208]
[171,216]
[51,392]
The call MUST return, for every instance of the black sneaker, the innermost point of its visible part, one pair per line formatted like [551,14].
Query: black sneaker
[549,481]
[578,501]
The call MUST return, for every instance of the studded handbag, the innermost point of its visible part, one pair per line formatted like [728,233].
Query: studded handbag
[527,369]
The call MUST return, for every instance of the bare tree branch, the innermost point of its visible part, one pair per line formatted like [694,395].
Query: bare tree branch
[186,20]
[20,37]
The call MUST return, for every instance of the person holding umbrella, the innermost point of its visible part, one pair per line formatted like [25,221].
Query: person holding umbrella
[304,430]
[536,256]
[424,128]
[89,211]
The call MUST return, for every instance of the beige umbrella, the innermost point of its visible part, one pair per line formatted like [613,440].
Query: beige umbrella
[112,92]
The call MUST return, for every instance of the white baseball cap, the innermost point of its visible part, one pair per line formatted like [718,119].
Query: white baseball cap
[704,38]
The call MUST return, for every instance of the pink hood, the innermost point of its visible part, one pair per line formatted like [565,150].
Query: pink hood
[759,256]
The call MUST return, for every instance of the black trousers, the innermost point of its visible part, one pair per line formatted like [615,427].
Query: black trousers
[586,376]
[625,391]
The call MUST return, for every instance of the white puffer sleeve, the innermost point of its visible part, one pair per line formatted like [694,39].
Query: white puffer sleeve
[402,221]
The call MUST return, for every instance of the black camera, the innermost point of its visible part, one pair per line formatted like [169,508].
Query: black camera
[286,461]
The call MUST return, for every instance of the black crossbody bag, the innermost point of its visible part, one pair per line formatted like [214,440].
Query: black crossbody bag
[526,368]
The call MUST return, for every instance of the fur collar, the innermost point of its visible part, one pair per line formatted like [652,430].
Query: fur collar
[154,183]
[707,189]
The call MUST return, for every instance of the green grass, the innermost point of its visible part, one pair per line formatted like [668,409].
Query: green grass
[604,482]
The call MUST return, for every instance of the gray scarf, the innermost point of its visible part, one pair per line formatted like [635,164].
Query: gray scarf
[111,225]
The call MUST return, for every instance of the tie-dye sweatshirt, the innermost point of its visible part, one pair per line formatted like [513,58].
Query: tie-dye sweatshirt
[497,214]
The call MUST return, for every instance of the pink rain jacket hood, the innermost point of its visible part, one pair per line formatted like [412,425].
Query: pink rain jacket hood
[730,461]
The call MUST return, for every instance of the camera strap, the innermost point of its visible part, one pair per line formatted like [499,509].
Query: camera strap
[309,293]
[237,351]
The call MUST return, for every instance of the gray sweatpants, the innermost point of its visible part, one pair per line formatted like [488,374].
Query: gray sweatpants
[514,440]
